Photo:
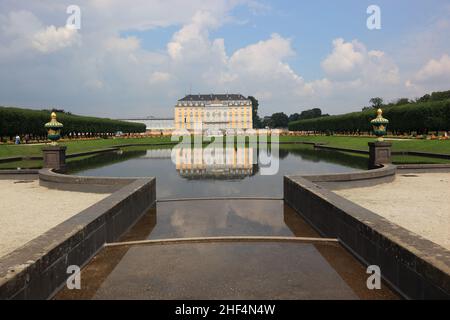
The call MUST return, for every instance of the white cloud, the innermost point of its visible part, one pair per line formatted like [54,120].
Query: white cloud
[191,41]
[350,61]
[159,77]
[123,77]
[122,44]
[258,8]
[53,39]
[434,75]
[346,56]
[435,70]
[94,84]
[19,23]
[264,58]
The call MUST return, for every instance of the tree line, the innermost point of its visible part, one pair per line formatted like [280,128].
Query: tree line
[356,122]
[18,121]
[418,116]
[280,119]
[378,102]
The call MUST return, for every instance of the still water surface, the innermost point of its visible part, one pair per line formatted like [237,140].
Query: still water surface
[224,270]
[228,173]
[239,269]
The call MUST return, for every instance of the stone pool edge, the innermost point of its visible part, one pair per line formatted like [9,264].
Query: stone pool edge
[415,267]
[39,268]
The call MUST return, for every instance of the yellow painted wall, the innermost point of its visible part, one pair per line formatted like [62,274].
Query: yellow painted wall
[238,116]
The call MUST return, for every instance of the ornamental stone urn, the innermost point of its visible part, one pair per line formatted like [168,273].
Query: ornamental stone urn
[379,125]
[54,154]
[380,150]
[54,130]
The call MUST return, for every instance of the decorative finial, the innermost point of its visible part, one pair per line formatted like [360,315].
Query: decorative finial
[54,129]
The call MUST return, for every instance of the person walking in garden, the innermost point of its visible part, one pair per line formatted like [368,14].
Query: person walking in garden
[17,139]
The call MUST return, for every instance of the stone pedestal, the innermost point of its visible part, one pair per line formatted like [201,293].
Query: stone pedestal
[379,154]
[55,157]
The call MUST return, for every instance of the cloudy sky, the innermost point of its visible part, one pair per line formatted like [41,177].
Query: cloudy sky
[137,58]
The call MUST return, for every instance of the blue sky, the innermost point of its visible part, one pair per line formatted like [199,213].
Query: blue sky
[137,58]
[312,25]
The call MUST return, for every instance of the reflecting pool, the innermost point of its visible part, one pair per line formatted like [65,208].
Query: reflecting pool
[217,173]
[239,268]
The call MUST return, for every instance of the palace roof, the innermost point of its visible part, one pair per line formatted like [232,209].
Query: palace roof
[212,97]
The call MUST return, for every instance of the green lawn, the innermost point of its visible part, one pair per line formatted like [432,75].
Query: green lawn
[432,146]
[24,164]
[76,146]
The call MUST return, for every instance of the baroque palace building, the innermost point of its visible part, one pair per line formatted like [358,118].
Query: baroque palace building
[215,112]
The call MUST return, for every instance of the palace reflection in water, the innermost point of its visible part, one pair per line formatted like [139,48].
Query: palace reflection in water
[214,163]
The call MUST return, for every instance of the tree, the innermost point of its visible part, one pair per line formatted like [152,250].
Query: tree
[279,120]
[256,119]
[376,102]
[440,96]
[310,114]
[307,114]
[401,101]
[266,122]
[294,117]
[424,98]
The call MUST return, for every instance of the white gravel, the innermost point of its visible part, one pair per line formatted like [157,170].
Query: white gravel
[419,202]
[27,210]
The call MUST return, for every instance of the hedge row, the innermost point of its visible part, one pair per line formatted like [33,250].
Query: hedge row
[418,117]
[15,121]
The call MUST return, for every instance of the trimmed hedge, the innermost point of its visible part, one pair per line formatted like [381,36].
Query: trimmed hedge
[419,117]
[15,121]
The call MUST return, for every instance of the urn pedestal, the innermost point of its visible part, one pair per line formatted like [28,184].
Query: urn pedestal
[379,154]
[55,157]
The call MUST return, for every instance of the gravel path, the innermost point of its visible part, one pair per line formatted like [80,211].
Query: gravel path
[419,202]
[27,210]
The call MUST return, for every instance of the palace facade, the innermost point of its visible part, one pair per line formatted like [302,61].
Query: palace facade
[215,112]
